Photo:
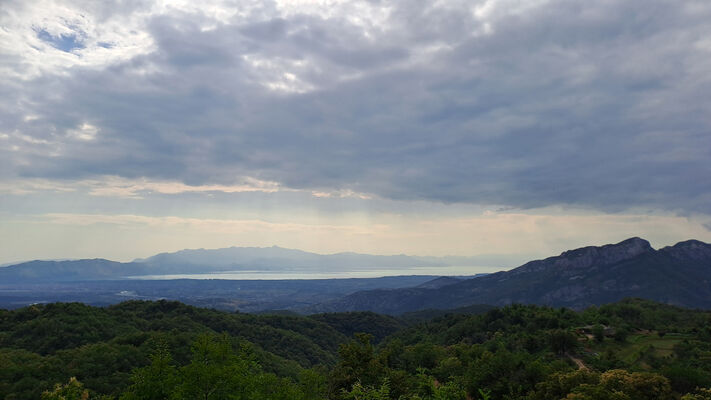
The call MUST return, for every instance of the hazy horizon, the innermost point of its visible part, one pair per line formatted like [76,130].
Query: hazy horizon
[485,263]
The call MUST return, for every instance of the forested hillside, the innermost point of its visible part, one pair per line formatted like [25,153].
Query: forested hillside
[633,349]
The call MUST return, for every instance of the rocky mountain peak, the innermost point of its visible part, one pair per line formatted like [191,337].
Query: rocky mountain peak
[631,247]
[604,255]
[690,250]
[589,256]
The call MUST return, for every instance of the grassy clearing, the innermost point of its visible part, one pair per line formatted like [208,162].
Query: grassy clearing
[663,346]
[632,349]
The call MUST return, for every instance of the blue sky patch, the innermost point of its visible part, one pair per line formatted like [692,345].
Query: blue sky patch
[63,42]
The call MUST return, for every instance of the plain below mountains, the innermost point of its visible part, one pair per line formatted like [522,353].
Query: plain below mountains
[678,275]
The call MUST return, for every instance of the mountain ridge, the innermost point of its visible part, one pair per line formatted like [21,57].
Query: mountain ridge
[236,258]
[679,275]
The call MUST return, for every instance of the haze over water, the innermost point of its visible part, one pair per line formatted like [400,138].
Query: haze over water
[336,274]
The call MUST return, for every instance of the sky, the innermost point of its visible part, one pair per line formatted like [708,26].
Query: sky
[508,128]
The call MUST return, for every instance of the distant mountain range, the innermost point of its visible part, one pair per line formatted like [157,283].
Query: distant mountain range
[202,261]
[679,275]
[69,271]
[279,258]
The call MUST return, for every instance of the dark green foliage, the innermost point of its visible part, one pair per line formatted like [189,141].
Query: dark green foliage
[155,381]
[53,327]
[361,392]
[358,364]
[219,369]
[73,390]
[562,341]
[44,329]
[167,350]
[44,344]
[350,323]
[598,332]
[215,371]
[511,350]
[429,314]
[685,378]
[313,383]
[505,373]
[621,333]
[559,384]
[612,385]
[699,394]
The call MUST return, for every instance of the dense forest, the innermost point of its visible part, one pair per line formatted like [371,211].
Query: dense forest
[634,349]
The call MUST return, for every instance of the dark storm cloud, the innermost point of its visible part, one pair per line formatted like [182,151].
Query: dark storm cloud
[598,104]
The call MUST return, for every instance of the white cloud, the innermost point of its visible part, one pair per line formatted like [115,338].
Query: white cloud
[98,40]
[114,186]
[29,186]
[344,193]
[85,131]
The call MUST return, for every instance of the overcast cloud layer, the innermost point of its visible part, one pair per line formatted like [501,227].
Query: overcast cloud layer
[601,105]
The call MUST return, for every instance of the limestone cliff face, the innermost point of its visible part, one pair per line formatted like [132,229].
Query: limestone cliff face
[604,255]
[589,257]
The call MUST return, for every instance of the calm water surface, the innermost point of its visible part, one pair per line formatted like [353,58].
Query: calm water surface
[310,274]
